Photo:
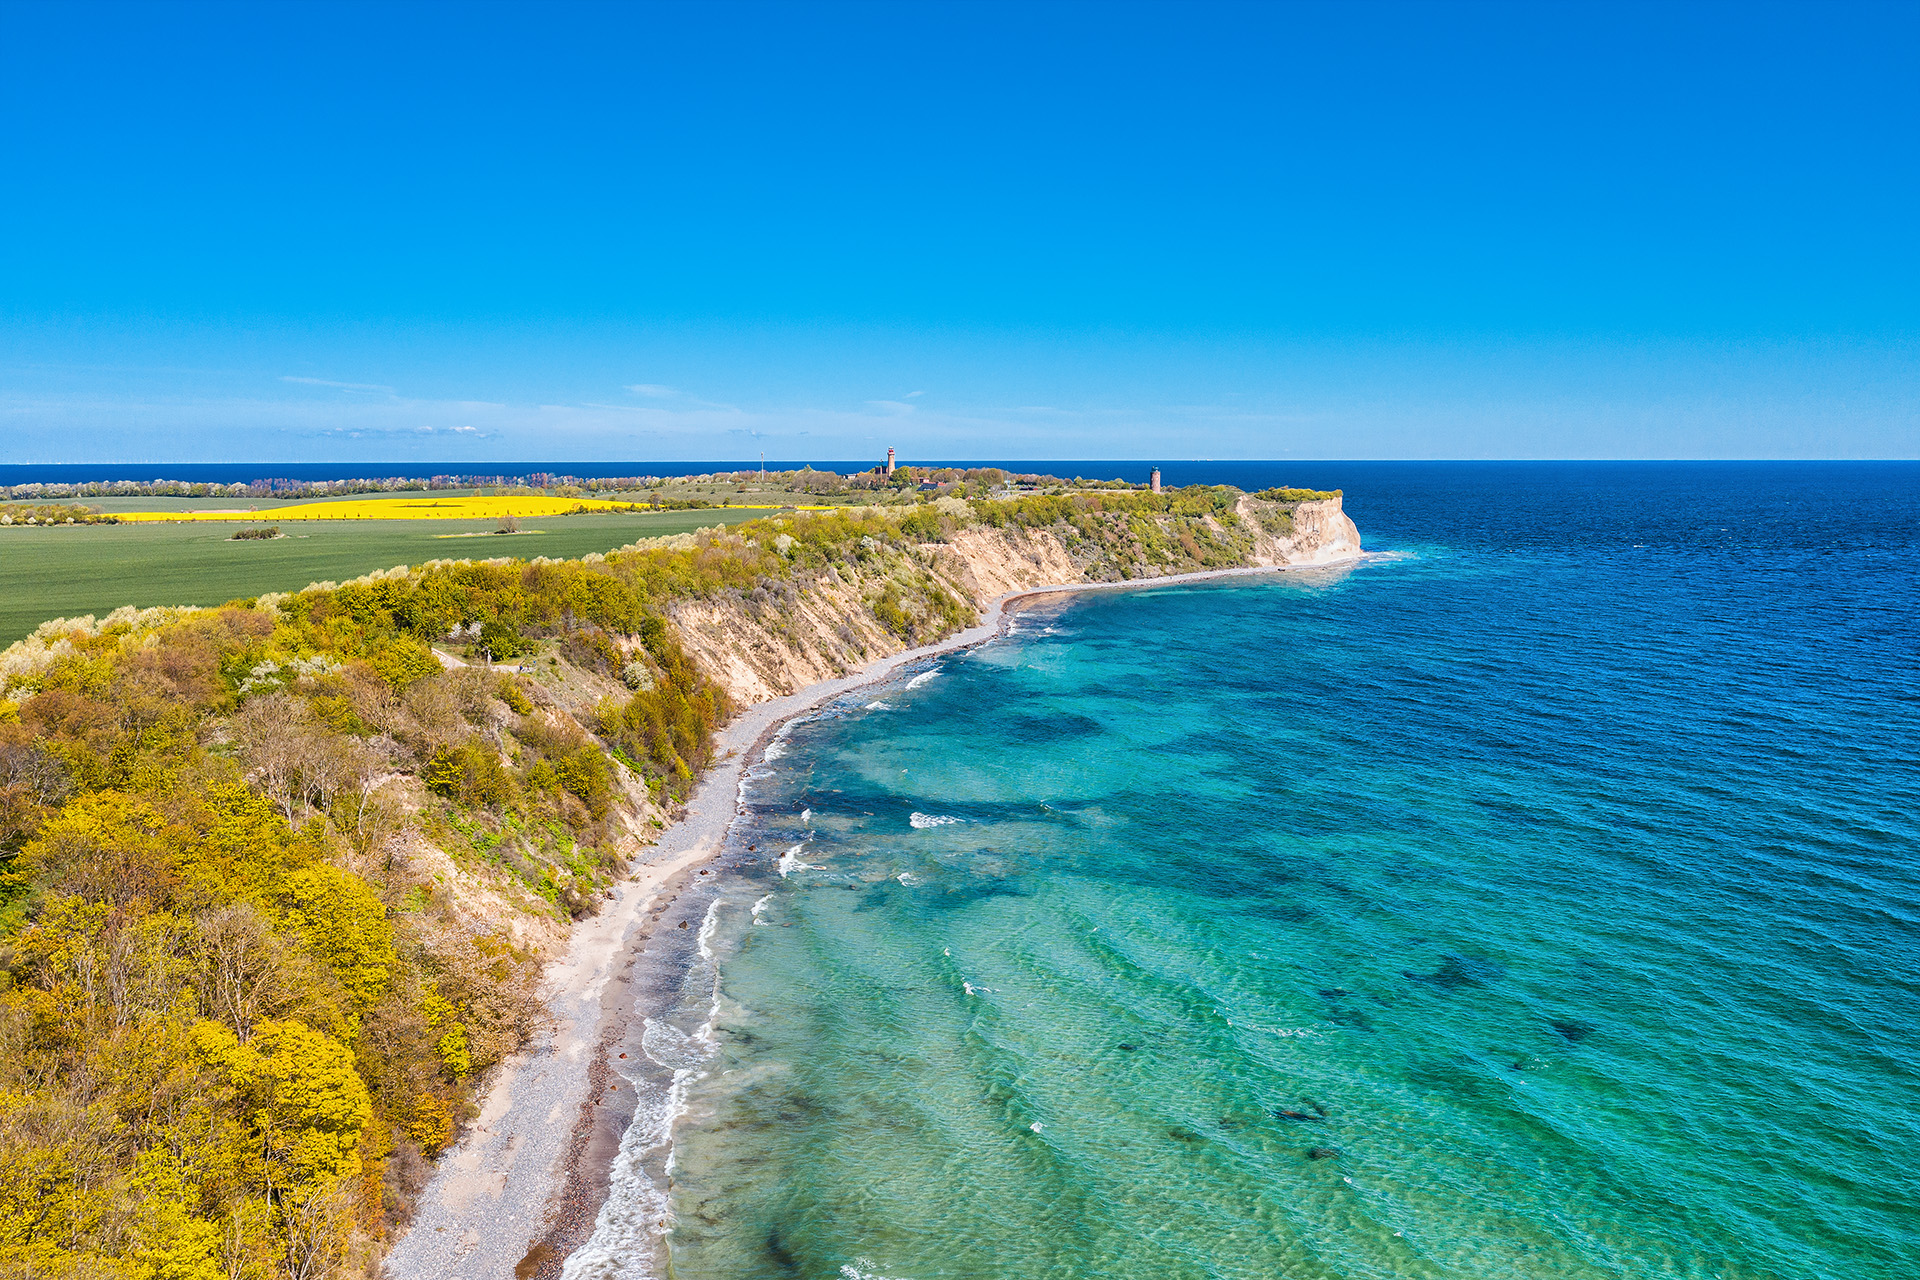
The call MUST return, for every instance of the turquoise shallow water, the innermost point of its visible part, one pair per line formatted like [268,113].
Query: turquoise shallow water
[1538,901]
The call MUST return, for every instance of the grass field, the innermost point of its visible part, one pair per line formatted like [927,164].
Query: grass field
[63,572]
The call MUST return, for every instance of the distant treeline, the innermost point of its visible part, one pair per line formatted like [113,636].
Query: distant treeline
[281,488]
[805,480]
[53,513]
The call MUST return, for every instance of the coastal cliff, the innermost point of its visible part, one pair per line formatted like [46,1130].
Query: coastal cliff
[764,647]
[358,873]
[520,1195]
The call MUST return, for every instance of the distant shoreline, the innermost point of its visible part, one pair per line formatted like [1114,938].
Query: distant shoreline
[538,1163]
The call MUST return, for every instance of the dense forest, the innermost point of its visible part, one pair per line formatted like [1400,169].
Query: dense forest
[246,993]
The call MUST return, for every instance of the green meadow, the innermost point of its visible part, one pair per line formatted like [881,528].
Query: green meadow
[62,572]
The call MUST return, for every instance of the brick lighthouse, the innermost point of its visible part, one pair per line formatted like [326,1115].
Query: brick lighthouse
[1156,479]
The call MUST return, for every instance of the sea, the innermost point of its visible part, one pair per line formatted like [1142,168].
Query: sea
[1537,897]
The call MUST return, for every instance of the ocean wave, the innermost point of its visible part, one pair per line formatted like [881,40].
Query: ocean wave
[638,1212]
[879,706]
[921,821]
[857,1270]
[790,861]
[775,750]
[922,678]
[707,926]
[1285,1033]
[671,1047]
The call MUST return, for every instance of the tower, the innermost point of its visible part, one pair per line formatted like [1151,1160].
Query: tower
[889,461]
[1156,479]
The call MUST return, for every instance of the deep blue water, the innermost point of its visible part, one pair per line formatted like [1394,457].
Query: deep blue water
[1539,900]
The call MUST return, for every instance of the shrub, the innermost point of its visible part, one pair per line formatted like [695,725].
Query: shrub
[517,701]
[501,640]
[400,660]
[470,773]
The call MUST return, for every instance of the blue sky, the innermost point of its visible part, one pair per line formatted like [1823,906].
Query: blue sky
[545,232]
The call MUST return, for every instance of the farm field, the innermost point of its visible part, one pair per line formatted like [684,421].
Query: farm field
[63,572]
[771,493]
[421,507]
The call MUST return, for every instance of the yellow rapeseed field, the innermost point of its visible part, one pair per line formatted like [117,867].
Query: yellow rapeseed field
[411,508]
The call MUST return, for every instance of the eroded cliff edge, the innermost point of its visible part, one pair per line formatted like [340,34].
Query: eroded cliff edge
[768,643]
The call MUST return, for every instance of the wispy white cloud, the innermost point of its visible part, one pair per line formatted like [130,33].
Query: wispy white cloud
[342,421]
[359,431]
[328,382]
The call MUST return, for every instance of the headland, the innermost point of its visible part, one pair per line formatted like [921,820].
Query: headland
[528,1185]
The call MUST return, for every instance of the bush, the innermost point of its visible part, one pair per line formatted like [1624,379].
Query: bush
[501,640]
[470,773]
[400,661]
[517,701]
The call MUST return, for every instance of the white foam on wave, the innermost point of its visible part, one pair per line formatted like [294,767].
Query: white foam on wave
[806,816]
[857,1270]
[760,906]
[637,1212]
[777,745]
[790,861]
[921,821]
[707,927]
[922,678]
[1285,1033]
[907,878]
[879,706]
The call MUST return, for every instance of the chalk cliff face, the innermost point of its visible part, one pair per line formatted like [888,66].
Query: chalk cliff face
[828,630]
[1314,532]
[763,650]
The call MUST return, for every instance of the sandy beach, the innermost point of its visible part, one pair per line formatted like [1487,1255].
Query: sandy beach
[524,1187]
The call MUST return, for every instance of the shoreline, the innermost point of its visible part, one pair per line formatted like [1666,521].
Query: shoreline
[526,1185]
